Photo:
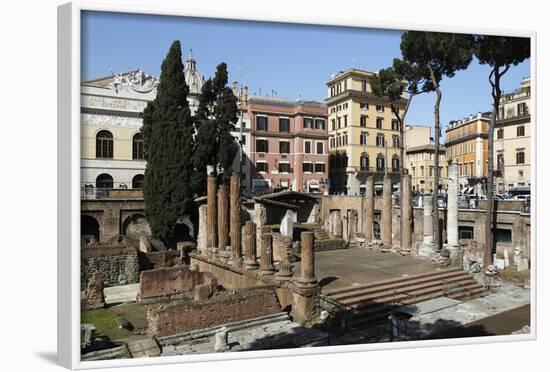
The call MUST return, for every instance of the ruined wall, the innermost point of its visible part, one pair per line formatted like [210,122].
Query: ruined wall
[227,275]
[220,309]
[118,265]
[154,260]
[168,281]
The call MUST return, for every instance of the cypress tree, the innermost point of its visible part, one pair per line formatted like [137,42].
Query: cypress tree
[168,144]
[215,119]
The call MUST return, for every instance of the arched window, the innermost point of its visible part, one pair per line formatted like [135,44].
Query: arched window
[104,181]
[137,181]
[104,145]
[380,163]
[364,161]
[137,147]
[395,163]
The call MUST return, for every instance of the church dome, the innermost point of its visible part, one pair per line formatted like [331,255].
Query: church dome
[193,79]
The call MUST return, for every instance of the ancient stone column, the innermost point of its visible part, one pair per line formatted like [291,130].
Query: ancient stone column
[352,224]
[260,218]
[266,257]
[223,220]
[386,214]
[249,240]
[406,214]
[427,247]
[235,208]
[287,223]
[452,215]
[307,265]
[212,215]
[202,246]
[338,224]
[369,210]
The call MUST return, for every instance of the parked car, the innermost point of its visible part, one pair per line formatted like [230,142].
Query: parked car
[522,197]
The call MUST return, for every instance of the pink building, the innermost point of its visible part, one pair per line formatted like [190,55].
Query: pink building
[289,147]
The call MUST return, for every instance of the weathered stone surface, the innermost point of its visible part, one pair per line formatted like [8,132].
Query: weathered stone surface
[118,265]
[201,239]
[223,219]
[386,224]
[282,247]
[427,248]
[144,244]
[266,256]
[307,265]
[169,281]
[406,216]
[220,341]
[212,213]
[287,224]
[235,211]
[369,209]
[95,297]
[202,292]
[222,308]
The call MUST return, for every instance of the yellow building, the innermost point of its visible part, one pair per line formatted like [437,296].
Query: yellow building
[466,142]
[363,133]
[512,140]
[419,161]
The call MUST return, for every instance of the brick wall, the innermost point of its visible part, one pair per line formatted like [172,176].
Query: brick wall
[168,281]
[223,308]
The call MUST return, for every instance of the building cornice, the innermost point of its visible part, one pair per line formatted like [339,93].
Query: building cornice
[126,114]
[466,138]
[370,97]
[513,120]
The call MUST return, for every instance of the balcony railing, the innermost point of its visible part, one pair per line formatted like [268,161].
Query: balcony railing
[91,193]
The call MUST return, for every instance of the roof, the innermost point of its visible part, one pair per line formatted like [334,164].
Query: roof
[426,148]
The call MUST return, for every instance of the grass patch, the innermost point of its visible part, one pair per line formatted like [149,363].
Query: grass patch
[105,320]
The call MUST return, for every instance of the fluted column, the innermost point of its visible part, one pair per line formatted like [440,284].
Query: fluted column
[369,210]
[235,208]
[386,213]
[223,223]
[211,213]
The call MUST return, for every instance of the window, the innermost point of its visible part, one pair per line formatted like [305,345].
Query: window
[104,145]
[520,157]
[395,163]
[379,123]
[431,171]
[137,181]
[284,147]
[307,147]
[262,145]
[421,171]
[307,167]
[339,122]
[380,140]
[137,147]
[333,123]
[363,138]
[332,91]
[520,174]
[465,232]
[284,125]
[522,109]
[364,85]
[319,167]
[364,106]
[500,133]
[345,120]
[345,140]
[104,181]
[379,108]
[500,162]
[520,131]
[284,167]
[394,124]
[345,84]
[261,167]
[243,140]
[261,123]
[363,121]
[320,124]
[395,141]
[503,236]
[320,148]
[472,169]
[364,164]
[308,123]
[501,112]
[380,163]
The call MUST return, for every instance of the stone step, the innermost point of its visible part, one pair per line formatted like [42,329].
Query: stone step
[231,327]
[412,288]
[387,284]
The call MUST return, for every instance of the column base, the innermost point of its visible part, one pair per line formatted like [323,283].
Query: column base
[456,254]
[426,250]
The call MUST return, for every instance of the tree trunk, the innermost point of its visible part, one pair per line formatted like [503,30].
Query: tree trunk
[401,120]
[436,228]
[488,254]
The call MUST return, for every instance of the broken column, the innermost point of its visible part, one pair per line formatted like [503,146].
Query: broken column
[249,242]
[452,215]
[235,209]
[386,214]
[352,224]
[338,224]
[406,214]
[223,223]
[95,297]
[202,246]
[427,247]
[369,210]
[287,223]
[306,287]
[260,219]
[266,256]
[212,216]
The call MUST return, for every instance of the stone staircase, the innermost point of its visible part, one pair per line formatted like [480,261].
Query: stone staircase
[321,234]
[369,304]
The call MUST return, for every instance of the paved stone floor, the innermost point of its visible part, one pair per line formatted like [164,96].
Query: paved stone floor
[355,266]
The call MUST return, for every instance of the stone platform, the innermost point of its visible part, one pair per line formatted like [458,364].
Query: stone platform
[358,266]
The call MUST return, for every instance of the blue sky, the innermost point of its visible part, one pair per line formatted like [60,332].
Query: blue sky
[293,60]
